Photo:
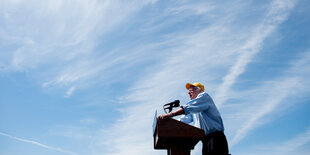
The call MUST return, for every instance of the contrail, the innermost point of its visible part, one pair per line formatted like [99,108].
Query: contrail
[279,10]
[39,144]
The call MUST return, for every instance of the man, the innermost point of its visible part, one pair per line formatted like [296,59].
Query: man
[202,111]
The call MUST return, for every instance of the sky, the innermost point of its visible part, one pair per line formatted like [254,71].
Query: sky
[85,77]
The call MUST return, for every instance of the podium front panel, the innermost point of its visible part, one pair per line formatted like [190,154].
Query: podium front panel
[169,133]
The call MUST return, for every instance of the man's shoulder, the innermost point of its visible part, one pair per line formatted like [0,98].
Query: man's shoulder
[203,94]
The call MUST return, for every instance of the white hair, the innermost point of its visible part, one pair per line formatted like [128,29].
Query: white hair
[196,88]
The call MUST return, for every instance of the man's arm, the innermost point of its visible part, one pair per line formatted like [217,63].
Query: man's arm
[180,111]
[201,103]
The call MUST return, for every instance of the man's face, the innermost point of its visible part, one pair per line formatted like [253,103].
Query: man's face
[193,92]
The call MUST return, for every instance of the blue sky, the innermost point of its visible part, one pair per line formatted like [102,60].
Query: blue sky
[85,77]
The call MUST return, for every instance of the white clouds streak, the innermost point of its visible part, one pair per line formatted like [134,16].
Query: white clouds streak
[296,142]
[278,12]
[270,96]
[70,91]
[277,92]
[291,146]
[39,144]
[55,41]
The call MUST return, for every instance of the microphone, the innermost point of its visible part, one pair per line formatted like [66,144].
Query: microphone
[170,105]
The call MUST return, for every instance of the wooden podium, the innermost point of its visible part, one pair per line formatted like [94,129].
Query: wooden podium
[175,136]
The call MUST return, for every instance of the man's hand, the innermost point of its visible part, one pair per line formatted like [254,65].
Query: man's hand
[164,117]
[180,111]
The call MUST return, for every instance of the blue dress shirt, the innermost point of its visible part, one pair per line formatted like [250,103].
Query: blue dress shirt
[203,113]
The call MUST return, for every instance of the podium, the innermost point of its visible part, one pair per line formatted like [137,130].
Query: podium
[175,136]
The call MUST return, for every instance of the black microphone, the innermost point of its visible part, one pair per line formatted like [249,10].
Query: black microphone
[170,105]
[175,103]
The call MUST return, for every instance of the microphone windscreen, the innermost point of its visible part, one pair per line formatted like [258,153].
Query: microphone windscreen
[176,103]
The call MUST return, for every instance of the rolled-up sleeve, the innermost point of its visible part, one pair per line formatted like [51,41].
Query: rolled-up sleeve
[201,103]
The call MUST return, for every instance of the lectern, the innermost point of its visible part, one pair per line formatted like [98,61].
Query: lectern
[175,136]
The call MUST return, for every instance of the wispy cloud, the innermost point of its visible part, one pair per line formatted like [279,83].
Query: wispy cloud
[38,144]
[70,91]
[264,107]
[287,147]
[59,45]
[269,97]
[295,143]
[278,12]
